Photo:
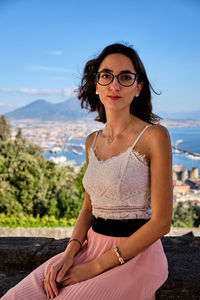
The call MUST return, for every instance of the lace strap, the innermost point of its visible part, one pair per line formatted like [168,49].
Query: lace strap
[94,141]
[139,136]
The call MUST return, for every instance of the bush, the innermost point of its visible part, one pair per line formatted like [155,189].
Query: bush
[28,221]
[32,185]
[186,215]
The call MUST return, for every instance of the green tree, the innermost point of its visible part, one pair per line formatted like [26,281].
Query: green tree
[196,211]
[19,134]
[183,215]
[5,129]
[78,183]
[32,185]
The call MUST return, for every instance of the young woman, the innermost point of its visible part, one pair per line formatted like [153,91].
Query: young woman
[115,250]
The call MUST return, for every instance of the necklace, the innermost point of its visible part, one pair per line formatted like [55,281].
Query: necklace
[110,139]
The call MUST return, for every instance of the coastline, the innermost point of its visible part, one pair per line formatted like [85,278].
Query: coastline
[180,123]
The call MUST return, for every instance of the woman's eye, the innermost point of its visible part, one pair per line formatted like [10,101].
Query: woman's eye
[106,76]
[125,77]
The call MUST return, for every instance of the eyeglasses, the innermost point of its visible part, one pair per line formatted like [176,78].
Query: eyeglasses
[123,78]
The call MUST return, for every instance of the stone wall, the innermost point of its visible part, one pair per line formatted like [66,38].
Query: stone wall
[20,255]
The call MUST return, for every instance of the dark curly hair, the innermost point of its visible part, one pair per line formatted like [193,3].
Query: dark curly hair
[140,107]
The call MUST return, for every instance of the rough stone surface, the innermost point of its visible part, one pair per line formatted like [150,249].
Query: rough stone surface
[63,232]
[183,255]
[56,233]
[20,255]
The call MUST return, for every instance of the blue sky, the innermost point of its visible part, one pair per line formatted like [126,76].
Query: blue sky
[45,44]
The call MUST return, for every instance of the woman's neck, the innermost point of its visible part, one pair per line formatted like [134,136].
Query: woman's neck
[116,122]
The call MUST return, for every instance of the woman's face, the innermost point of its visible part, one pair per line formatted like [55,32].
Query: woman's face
[115,96]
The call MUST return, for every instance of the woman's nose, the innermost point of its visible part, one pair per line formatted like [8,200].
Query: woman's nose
[115,84]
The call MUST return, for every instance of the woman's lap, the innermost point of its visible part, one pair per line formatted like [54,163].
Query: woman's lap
[138,278]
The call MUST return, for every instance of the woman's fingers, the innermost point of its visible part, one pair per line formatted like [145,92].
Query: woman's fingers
[49,282]
[47,287]
[67,281]
[55,274]
[62,272]
[52,280]
[49,292]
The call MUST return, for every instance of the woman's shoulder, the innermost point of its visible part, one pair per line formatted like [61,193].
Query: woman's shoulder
[155,129]
[158,131]
[90,139]
[158,138]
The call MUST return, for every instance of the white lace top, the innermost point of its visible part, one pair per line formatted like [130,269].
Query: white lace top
[119,187]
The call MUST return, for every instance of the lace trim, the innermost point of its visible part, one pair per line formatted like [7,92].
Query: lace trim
[139,156]
[121,215]
[119,209]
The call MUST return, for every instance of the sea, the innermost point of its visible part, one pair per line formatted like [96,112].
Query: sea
[188,138]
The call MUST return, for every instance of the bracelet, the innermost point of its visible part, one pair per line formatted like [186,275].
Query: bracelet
[76,240]
[116,250]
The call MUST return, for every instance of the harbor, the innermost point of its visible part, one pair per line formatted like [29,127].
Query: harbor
[189,154]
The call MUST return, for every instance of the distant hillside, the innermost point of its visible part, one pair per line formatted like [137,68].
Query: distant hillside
[44,110]
[71,110]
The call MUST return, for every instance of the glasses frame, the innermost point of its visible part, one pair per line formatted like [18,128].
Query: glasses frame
[117,76]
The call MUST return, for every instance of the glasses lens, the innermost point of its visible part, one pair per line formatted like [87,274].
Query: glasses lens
[126,79]
[104,78]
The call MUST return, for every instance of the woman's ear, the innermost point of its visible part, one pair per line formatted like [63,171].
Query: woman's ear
[97,92]
[139,87]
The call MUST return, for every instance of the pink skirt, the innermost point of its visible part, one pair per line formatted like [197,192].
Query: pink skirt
[137,279]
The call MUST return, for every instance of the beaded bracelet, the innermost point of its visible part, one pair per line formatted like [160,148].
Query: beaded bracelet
[116,250]
[76,240]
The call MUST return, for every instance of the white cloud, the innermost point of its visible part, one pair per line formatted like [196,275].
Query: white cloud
[66,92]
[39,92]
[3,90]
[56,52]
[47,69]
[5,108]
[2,104]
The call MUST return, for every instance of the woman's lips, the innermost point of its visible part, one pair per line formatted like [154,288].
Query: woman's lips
[114,97]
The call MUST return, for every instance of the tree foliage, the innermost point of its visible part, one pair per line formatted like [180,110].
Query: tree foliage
[5,129]
[32,185]
[186,215]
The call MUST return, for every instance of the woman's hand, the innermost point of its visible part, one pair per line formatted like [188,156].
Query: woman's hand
[55,273]
[80,273]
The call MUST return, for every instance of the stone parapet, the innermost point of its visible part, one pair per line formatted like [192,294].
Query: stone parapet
[20,255]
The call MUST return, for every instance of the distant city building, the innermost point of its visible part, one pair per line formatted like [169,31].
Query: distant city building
[182,189]
[186,185]
[194,173]
[194,184]
[180,173]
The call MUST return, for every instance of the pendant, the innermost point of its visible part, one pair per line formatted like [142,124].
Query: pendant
[109,140]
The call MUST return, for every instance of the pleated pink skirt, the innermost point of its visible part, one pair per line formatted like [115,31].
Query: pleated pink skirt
[137,279]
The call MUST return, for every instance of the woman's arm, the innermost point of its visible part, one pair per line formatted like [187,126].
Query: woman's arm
[84,220]
[57,270]
[159,153]
[83,223]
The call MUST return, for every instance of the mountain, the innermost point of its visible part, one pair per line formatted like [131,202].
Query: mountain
[44,110]
[71,110]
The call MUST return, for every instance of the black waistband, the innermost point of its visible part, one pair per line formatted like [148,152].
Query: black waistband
[117,228]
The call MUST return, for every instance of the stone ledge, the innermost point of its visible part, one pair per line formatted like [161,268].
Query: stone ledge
[20,255]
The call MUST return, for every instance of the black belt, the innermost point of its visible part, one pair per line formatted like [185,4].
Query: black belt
[118,228]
